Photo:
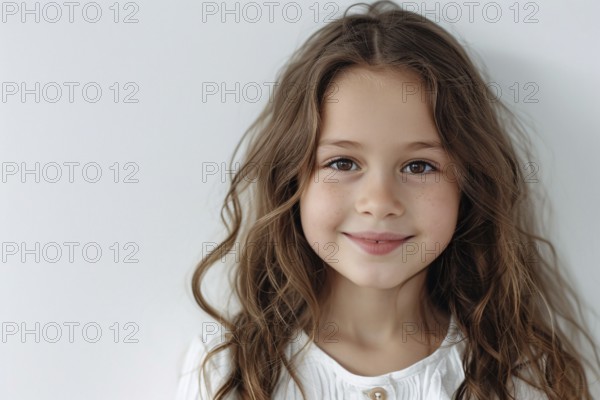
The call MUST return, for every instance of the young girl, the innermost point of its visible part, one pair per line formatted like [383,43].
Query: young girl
[389,249]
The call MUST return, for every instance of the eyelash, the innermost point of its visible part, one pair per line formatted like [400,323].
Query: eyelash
[329,163]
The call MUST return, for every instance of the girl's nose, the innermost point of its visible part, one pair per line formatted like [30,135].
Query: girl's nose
[380,196]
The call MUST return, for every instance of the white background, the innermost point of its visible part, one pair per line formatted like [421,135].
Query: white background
[171,133]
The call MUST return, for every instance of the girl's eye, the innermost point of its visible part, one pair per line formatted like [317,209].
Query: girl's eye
[345,163]
[420,164]
[414,167]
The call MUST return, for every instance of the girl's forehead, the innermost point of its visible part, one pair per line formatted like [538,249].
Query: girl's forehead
[368,94]
[399,86]
[381,76]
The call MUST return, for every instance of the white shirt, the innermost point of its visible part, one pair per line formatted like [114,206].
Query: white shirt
[435,377]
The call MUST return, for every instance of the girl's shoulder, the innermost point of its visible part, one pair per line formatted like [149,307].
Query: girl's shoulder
[192,384]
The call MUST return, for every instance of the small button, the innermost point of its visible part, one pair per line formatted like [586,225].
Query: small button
[377,393]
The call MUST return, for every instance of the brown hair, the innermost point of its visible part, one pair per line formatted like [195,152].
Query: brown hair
[498,276]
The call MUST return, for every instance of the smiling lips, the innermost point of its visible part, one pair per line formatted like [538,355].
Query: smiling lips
[377,243]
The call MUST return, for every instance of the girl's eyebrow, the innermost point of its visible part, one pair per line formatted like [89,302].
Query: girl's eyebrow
[434,145]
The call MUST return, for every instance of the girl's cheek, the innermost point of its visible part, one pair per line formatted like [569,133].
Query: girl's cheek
[328,176]
[330,182]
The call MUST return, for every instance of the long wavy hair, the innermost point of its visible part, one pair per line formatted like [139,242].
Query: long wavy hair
[499,277]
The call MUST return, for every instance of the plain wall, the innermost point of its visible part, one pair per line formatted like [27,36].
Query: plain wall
[154,219]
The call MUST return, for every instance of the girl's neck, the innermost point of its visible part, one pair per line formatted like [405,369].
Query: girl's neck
[374,317]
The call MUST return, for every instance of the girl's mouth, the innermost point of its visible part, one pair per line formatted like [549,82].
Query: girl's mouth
[377,247]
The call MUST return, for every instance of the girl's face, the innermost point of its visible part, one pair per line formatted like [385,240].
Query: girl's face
[379,177]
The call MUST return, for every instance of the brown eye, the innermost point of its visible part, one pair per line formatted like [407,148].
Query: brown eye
[418,167]
[342,164]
